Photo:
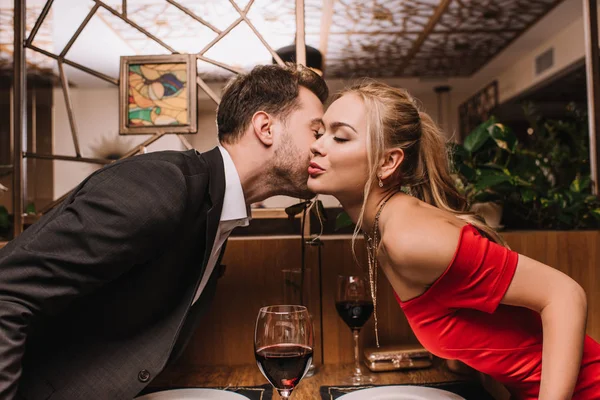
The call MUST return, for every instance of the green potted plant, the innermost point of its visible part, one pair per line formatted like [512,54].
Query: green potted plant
[541,184]
[486,169]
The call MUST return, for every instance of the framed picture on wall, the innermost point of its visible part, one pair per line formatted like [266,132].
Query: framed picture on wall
[157,94]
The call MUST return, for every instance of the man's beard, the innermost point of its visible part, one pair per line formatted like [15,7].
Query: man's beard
[290,171]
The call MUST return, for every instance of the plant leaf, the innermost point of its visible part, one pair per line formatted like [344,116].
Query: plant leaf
[458,152]
[342,220]
[30,209]
[477,138]
[503,136]
[527,195]
[489,178]
[467,172]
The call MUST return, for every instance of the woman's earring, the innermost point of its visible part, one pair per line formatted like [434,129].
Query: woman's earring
[380,181]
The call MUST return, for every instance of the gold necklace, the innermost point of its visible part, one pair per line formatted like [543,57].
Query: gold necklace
[372,247]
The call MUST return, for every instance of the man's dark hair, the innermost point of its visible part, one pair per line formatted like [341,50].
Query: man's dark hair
[269,88]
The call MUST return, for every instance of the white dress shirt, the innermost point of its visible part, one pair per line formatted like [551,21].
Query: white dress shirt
[234,214]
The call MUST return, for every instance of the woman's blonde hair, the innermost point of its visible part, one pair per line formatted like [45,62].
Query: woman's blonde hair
[395,121]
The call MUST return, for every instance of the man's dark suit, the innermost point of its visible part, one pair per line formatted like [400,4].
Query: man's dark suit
[96,297]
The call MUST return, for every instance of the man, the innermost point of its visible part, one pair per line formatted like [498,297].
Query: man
[104,290]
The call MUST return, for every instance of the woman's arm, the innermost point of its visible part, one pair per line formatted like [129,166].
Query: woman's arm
[562,305]
[426,250]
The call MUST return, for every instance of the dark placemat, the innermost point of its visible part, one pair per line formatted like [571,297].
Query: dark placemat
[468,390]
[264,392]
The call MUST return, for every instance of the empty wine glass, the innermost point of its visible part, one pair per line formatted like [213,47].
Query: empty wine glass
[283,345]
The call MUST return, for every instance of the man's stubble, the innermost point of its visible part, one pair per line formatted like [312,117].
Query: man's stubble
[290,170]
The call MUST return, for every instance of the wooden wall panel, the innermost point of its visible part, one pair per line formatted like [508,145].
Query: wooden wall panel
[254,279]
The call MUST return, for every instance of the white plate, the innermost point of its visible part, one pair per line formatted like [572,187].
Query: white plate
[195,394]
[401,393]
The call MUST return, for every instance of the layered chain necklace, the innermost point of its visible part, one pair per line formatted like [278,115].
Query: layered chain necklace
[372,247]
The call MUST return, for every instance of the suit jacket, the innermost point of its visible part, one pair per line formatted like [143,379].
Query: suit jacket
[95,298]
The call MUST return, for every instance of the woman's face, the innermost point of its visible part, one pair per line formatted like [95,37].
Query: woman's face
[339,166]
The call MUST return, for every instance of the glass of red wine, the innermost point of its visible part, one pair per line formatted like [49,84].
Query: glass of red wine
[355,306]
[283,346]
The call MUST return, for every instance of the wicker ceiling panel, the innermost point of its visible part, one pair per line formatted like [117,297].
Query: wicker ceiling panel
[375,16]
[377,38]
[456,52]
[495,15]
[359,55]
[403,38]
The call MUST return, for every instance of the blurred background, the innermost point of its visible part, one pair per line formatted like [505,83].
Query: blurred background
[464,60]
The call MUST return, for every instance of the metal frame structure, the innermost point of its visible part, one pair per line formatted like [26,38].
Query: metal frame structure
[19,102]
[19,131]
[592,66]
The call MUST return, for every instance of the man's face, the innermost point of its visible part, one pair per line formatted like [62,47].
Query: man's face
[295,136]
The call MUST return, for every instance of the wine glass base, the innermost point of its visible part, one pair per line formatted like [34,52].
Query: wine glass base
[284,393]
[359,380]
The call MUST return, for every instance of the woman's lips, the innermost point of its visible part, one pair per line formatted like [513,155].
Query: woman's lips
[312,171]
[315,169]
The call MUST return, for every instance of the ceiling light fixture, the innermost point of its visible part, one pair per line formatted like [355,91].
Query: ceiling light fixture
[314,58]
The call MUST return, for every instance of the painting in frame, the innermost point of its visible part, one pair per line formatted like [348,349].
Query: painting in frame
[157,94]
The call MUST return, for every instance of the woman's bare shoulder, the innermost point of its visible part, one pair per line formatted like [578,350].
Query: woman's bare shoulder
[421,239]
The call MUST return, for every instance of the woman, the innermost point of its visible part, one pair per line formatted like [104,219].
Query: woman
[465,295]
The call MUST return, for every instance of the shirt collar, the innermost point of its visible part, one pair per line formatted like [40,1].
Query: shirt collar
[234,203]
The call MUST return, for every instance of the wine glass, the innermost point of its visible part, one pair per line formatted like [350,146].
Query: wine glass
[297,290]
[283,345]
[354,305]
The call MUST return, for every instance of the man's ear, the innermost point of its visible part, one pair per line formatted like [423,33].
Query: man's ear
[261,127]
[391,162]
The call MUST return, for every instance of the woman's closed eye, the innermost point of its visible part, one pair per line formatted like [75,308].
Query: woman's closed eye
[340,140]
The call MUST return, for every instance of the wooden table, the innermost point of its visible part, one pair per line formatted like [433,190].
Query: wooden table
[327,375]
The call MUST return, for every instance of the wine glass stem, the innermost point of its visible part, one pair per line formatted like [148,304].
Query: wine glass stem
[355,333]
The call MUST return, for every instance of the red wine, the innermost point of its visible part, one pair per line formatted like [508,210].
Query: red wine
[354,313]
[284,364]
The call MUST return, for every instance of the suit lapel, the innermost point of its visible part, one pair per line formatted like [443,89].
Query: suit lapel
[216,193]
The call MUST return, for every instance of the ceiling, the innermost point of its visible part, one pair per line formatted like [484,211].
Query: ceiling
[392,38]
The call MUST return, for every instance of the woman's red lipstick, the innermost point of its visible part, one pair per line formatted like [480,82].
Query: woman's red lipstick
[315,169]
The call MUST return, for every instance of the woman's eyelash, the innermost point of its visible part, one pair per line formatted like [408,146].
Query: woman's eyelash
[335,138]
